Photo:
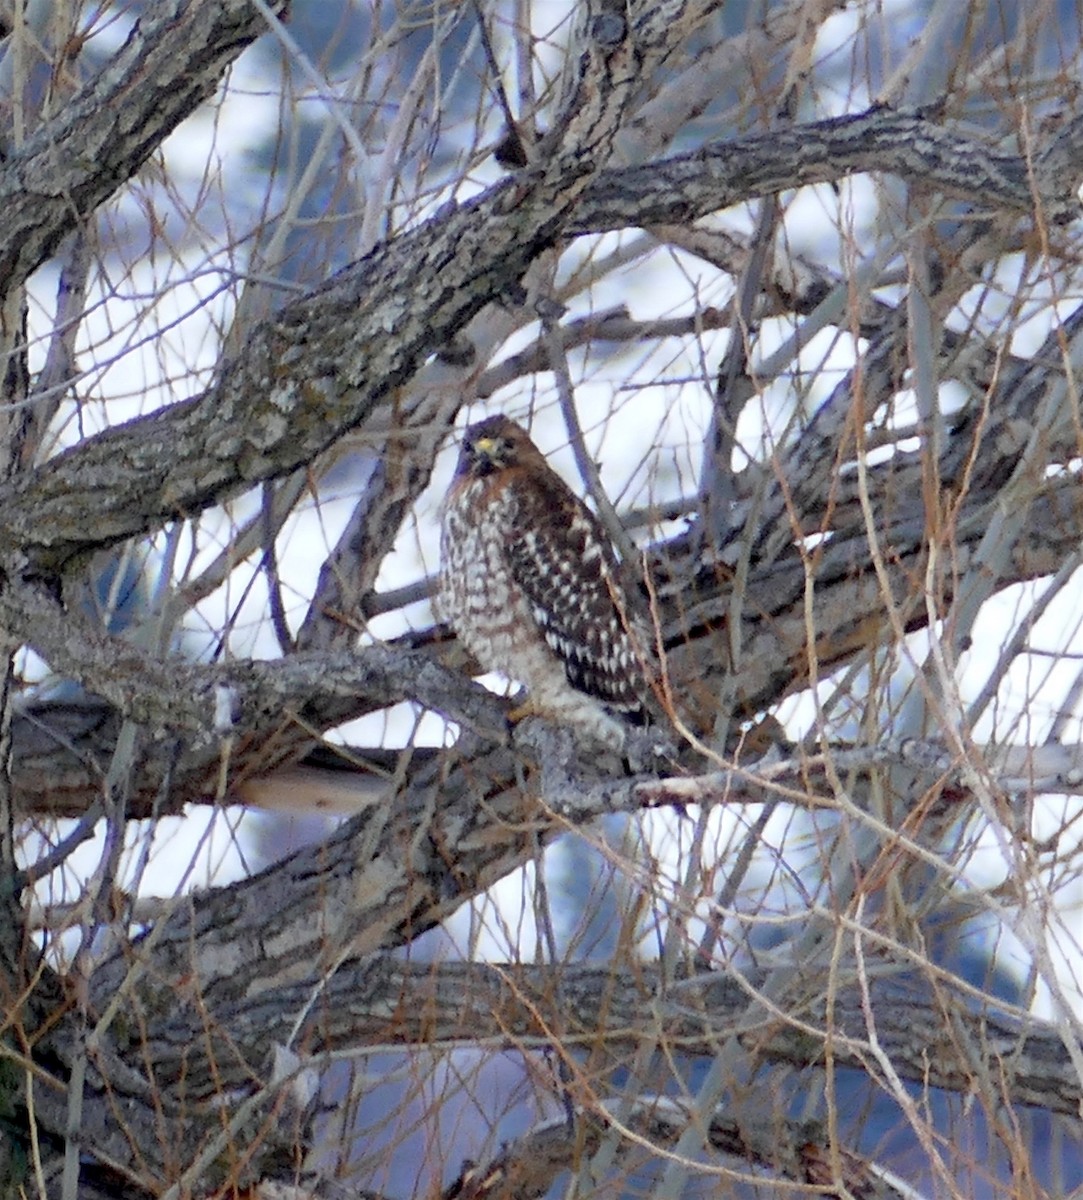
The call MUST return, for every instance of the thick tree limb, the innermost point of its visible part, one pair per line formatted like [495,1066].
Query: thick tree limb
[609,1011]
[173,61]
[324,364]
[912,146]
[217,1047]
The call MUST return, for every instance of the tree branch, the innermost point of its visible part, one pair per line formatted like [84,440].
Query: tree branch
[327,361]
[173,60]
[609,1011]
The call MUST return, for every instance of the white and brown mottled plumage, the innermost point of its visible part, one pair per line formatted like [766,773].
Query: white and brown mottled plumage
[531,585]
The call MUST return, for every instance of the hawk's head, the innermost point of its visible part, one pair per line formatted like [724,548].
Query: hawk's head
[496,444]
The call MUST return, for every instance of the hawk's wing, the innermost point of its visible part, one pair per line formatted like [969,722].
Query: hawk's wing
[565,566]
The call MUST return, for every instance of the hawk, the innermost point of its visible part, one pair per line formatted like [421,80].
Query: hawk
[532,587]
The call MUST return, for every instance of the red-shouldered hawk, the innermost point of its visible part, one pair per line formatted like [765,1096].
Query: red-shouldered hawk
[530,583]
